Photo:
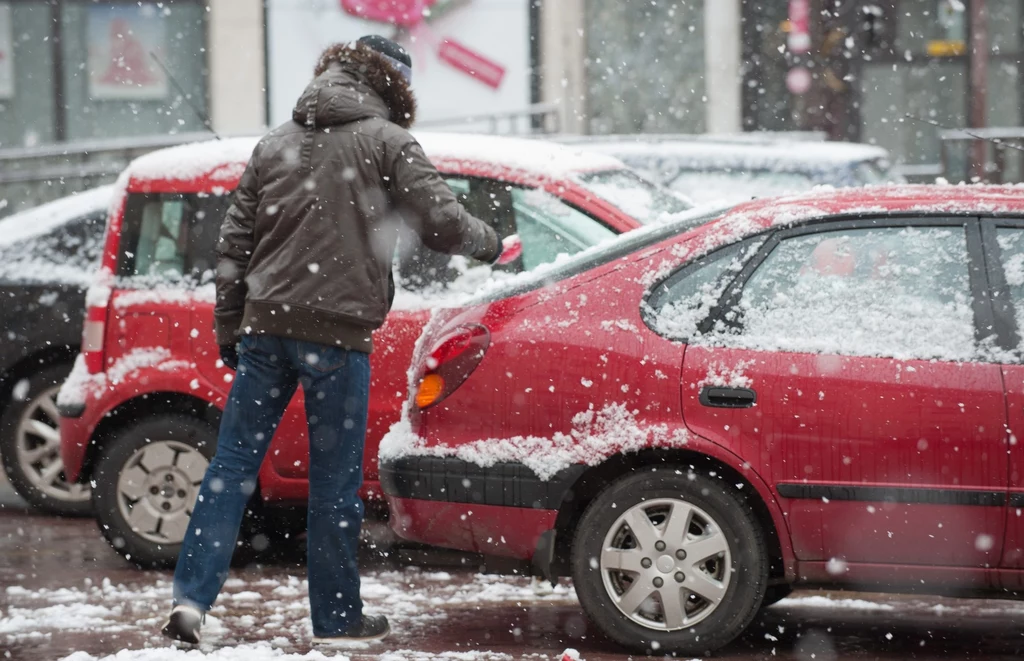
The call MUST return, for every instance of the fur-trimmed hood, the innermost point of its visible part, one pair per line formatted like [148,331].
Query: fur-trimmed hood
[353,82]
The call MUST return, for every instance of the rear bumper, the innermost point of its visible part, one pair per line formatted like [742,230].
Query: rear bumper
[504,509]
[450,480]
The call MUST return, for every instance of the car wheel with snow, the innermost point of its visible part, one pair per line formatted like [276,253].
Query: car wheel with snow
[666,561]
[30,446]
[146,483]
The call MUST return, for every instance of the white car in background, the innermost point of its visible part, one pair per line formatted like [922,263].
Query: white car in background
[733,169]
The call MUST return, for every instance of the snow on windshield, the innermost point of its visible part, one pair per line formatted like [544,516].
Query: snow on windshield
[640,199]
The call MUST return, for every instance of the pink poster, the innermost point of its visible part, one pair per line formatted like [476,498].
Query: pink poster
[412,28]
[121,38]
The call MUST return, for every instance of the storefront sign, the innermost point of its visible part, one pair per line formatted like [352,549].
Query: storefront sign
[121,38]
[799,38]
[6,52]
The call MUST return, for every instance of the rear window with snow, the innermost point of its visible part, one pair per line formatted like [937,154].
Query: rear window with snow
[1011,250]
[900,292]
[170,238]
[69,253]
[677,307]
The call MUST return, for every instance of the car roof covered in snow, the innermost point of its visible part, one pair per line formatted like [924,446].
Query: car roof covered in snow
[47,217]
[707,152]
[221,162]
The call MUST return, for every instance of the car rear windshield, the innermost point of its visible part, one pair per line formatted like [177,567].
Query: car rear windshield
[170,238]
[603,254]
[641,199]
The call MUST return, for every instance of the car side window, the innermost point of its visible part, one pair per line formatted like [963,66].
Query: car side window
[422,269]
[899,292]
[1011,257]
[171,237]
[677,307]
[548,227]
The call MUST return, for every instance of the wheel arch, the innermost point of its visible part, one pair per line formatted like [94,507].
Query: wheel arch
[753,490]
[31,364]
[143,406]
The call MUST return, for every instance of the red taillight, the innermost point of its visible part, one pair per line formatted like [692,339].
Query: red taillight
[93,337]
[451,363]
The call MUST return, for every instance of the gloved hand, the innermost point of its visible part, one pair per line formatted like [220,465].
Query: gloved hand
[229,356]
[510,250]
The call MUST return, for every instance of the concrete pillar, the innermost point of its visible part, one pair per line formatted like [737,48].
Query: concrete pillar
[978,107]
[237,74]
[562,51]
[723,51]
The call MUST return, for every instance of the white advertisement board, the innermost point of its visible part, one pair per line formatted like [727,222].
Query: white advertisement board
[470,57]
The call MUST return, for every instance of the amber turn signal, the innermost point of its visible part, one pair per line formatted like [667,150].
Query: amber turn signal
[430,390]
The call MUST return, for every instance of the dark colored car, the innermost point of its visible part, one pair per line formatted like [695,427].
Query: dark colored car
[47,256]
[826,389]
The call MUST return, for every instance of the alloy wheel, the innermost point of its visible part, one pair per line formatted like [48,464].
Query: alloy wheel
[38,450]
[157,489]
[666,564]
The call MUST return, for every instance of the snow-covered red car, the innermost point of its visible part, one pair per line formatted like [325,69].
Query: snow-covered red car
[139,412]
[826,389]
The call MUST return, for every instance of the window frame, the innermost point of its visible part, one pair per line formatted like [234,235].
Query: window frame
[134,206]
[1008,335]
[978,280]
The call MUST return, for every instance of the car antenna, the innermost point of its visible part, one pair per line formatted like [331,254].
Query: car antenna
[995,141]
[203,117]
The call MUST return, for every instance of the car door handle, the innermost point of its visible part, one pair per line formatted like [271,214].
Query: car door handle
[728,398]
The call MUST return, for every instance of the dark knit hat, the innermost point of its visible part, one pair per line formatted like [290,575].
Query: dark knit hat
[395,54]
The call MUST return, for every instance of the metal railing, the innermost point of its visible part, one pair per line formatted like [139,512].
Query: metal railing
[33,175]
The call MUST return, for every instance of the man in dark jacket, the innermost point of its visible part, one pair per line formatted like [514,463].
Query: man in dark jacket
[303,279]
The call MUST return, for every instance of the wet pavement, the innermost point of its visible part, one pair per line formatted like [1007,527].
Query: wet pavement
[63,590]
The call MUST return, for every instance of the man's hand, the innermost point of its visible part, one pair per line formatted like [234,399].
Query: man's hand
[229,356]
[511,250]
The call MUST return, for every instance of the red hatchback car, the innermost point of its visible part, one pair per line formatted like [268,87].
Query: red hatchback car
[819,390]
[139,412]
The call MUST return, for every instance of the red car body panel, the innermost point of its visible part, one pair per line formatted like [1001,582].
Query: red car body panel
[183,325]
[946,426]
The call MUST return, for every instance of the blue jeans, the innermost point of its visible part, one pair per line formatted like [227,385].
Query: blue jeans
[336,383]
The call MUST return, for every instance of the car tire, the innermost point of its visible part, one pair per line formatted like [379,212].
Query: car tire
[145,484]
[711,597]
[30,446]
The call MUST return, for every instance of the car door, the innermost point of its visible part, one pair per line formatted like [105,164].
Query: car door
[1004,245]
[844,366]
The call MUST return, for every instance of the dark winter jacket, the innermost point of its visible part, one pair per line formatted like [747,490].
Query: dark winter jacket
[306,249]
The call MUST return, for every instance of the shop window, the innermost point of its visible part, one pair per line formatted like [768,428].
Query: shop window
[26,75]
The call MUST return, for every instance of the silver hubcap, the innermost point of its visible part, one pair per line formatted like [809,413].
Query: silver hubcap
[38,443]
[666,564]
[157,489]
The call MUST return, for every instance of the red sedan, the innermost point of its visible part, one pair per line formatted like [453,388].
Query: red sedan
[825,390]
[139,412]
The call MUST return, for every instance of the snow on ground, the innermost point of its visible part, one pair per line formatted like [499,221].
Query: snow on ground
[273,609]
